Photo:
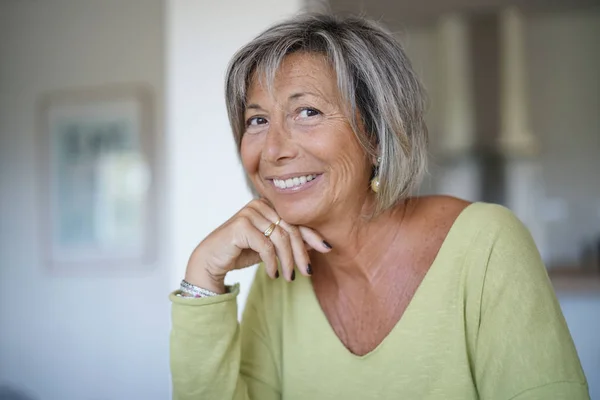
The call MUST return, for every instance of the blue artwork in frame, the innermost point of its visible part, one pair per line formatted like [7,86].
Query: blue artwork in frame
[96,156]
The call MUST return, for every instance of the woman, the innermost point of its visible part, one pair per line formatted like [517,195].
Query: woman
[380,295]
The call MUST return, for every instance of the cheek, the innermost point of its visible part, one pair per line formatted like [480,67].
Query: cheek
[352,170]
[250,155]
[348,152]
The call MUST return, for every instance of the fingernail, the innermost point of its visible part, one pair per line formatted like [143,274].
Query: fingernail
[309,269]
[293,275]
[327,245]
[276,274]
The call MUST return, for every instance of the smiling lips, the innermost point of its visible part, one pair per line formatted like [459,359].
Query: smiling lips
[294,182]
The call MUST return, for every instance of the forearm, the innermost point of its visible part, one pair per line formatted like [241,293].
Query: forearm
[205,348]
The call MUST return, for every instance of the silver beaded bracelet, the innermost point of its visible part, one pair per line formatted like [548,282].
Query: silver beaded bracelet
[195,291]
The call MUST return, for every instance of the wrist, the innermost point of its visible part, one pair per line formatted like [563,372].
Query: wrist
[203,278]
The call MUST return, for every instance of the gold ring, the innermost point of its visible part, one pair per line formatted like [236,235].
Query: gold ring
[271,228]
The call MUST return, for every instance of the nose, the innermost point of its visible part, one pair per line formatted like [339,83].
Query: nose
[279,145]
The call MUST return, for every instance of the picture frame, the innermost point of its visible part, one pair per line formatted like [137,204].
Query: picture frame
[97,178]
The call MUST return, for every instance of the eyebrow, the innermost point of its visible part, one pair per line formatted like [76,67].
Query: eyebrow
[254,106]
[294,96]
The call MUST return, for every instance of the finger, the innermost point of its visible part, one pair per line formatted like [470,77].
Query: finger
[247,236]
[288,254]
[299,250]
[278,236]
[281,239]
[247,258]
[315,240]
[265,208]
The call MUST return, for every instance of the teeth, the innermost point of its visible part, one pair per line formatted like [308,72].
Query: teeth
[293,182]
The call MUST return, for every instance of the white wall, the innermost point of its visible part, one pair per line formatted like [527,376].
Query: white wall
[207,184]
[90,335]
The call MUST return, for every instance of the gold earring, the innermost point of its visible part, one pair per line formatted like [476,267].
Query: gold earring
[375,184]
[375,180]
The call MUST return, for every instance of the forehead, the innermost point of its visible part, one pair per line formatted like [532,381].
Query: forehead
[300,71]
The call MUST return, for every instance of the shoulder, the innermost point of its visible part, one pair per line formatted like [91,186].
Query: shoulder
[497,228]
[450,214]
[490,219]
[489,243]
[493,216]
[500,256]
[477,228]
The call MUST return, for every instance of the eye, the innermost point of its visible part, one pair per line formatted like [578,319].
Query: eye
[254,121]
[308,112]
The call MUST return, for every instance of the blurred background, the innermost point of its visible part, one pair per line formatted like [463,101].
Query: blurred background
[115,105]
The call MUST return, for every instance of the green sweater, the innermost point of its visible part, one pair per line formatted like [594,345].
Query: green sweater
[484,324]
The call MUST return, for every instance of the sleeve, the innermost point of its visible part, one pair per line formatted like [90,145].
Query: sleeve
[523,348]
[212,357]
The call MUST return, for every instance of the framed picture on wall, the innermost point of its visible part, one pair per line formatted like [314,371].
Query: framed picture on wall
[96,169]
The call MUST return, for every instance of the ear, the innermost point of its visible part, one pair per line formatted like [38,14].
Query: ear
[376,159]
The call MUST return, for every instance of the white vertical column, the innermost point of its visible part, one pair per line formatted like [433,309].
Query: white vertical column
[516,136]
[524,183]
[459,175]
[457,111]
[206,184]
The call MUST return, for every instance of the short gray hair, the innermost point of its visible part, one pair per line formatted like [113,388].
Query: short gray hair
[386,101]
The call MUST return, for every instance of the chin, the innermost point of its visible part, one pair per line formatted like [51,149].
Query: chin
[297,214]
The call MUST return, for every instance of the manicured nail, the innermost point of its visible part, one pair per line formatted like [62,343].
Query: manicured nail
[309,269]
[293,275]
[327,245]
[276,274]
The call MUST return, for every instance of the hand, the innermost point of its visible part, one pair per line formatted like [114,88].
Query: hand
[240,242]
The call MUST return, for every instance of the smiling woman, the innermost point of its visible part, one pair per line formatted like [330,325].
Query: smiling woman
[297,130]
[369,84]
[399,296]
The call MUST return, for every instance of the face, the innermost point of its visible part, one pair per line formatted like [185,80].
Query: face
[298,147]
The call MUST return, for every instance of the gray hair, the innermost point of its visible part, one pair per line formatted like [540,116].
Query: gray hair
[385,100]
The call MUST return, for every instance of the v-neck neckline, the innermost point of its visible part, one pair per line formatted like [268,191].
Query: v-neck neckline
[332,336]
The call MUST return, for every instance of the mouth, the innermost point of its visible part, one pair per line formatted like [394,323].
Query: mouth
[294,183]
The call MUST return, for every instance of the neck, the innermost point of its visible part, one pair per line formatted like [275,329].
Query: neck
[360,244]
